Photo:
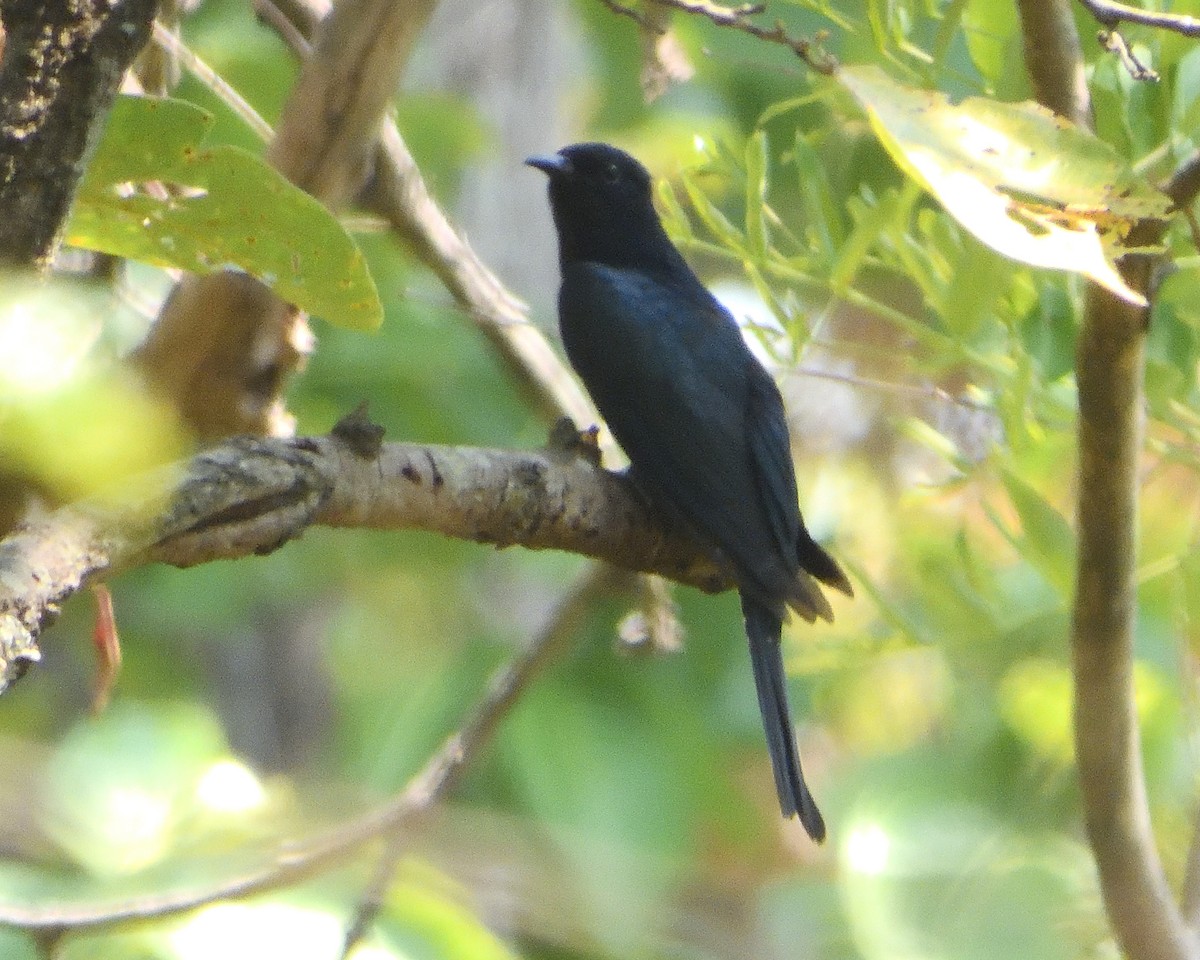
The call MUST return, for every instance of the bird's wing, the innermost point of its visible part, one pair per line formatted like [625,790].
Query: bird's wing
[775,476]
[671,374]
[771,457]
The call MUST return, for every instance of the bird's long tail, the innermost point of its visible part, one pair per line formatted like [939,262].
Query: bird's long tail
[763,628]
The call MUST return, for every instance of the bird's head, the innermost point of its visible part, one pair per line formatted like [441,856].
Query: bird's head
[600,198]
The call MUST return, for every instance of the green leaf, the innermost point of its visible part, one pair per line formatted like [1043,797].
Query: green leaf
[119,789]
[756,195]
[822,212]
[1049,543]
[992,32]
[768,296]
[870,224]
[153,193]
[673,215]
[935,441]
[713,219]
[1028,184]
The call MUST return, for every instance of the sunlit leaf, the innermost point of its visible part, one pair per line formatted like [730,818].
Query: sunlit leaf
[713,219]
[1035,700]
[70,420]
[934,440]
[120,786]
[154,193]
[756,194]
[674,216]
[869,224]
[1027,183]
[427,919]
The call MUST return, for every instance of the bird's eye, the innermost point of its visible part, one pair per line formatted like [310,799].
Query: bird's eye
[611,173]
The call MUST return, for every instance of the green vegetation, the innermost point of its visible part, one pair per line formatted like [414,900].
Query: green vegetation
[625,807]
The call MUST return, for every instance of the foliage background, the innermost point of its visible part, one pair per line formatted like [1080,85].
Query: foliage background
[626,808]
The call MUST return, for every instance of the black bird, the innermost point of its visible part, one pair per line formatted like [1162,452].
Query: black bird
[702,422]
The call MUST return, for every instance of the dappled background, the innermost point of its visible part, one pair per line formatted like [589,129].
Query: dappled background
[626,806]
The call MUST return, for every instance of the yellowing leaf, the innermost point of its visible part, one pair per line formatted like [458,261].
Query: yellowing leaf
[1027,183]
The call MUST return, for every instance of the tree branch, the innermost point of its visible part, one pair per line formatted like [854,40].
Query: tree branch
[735,18]
[252,495]
[61,67]
[1112,15]
[296,862]
[1109,367]
[1189,900]
[224,346]
[1054,59]
[1108,370]
[396,191]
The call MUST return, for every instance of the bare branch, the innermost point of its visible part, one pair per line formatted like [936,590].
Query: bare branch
[295,862]
[1112,14]
[736,18]
[397,193]
[1054,58]
[225,346]
[331,122]
[171,43]
[252,495]
[504,690]
[1109,370]
[1190,899]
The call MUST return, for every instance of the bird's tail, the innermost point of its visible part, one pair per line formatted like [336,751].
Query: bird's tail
[763,627]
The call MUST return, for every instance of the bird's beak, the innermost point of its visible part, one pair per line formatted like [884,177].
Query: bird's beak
[551,164]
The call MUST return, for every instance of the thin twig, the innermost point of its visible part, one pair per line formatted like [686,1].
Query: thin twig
[1114,42]
[288,32]
[296,862]
[921,391]
[505,688]
[1112,14]
[213,81]
[738,18]
[397,192]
